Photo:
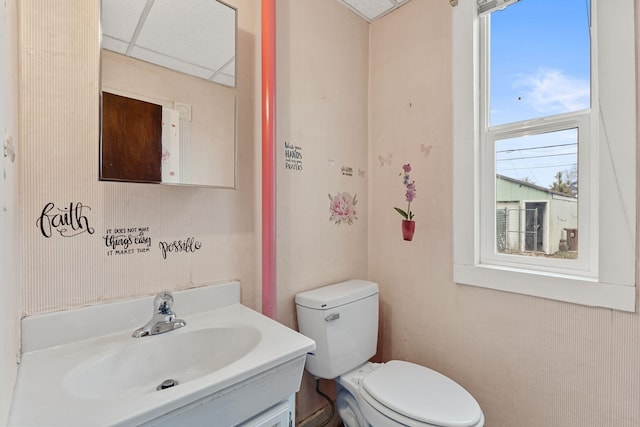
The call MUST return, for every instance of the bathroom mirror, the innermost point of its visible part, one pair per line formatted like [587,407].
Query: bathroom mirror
[168,92]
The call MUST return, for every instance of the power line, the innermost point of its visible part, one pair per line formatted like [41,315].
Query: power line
[511,150]
[540,167]
[537,157]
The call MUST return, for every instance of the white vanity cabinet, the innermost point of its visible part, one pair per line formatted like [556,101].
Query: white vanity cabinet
[281,414]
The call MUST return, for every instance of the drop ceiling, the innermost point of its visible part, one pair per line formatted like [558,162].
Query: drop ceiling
[198,40]
[371,10]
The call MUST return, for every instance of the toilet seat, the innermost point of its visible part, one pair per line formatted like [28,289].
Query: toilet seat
[418,396]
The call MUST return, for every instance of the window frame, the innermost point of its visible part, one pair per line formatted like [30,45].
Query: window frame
[578,120]
[608,209]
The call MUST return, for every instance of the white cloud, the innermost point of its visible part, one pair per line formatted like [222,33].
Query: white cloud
[551,92]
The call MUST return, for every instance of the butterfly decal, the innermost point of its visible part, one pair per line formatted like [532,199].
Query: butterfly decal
[425,149]
[385,160]
[360,173]
[330,162]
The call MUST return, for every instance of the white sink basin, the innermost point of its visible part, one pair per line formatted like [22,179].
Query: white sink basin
[140,365]
[82,367]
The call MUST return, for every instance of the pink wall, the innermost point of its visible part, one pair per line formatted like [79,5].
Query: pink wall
[322,97]
[60,76]
[9,213]
[529,361]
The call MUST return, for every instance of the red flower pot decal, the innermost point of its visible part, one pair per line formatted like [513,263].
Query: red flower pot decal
[408,228]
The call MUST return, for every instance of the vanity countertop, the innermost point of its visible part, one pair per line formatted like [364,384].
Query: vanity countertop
[58,348]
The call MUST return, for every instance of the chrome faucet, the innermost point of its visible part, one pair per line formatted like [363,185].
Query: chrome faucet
[163,319]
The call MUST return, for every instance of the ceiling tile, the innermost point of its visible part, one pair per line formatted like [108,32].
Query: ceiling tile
[195,37]
[371,10]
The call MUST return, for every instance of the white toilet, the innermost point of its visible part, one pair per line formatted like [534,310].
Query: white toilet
[343,321]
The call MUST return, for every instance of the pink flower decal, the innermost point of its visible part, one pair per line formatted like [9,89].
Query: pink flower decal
[341,208]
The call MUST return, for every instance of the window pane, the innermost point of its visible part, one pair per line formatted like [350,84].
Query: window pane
[537,194]
[540,59]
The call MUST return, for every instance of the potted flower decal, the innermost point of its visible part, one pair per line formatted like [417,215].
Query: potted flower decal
[342,208]
[408,225]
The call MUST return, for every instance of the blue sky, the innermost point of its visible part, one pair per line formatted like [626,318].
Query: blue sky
[540,66]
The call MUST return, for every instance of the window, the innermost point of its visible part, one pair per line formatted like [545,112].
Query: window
[534,120]
[538,109]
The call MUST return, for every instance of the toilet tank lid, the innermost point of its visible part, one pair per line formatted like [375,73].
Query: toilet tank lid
[332,296]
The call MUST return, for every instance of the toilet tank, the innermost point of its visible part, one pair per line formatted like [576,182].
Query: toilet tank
[343,321]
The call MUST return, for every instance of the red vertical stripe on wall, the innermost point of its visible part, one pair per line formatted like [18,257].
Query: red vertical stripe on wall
[269,290]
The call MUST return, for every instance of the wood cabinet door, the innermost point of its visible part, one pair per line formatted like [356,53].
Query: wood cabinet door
[131,139]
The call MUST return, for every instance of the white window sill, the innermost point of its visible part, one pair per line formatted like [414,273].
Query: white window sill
[572,289]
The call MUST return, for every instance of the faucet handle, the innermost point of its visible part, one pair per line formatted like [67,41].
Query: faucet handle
[163,302]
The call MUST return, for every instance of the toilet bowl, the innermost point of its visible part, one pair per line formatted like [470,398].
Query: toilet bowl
[343,320]
[399,393]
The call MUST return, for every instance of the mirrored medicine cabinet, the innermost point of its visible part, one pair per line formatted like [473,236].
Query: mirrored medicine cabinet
[168,92]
